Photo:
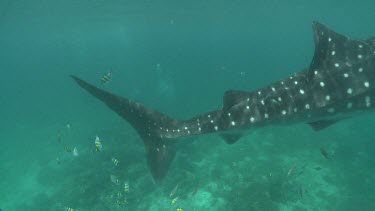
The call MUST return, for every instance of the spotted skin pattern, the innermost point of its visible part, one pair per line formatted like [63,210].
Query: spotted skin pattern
[339,82]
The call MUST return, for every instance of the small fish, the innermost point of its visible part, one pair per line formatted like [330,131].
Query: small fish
[318,168]
[75,152]
[126,186]
[98,144]
[118,202]
[115,161]
[291,170]
[68,126]
[174,190]
[196,187]
[119,195]
[174,200]
[59,137]
[179,209]
[68,149]
[69,209]
[106,77]
[58,161]
[324,153]
[300,191]
[115,180]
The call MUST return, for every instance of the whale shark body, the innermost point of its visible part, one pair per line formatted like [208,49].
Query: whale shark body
[339,83]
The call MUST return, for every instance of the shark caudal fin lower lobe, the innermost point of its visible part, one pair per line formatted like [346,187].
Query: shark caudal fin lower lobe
[146,122]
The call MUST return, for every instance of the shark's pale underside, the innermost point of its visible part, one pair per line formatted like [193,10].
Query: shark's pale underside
[339,82]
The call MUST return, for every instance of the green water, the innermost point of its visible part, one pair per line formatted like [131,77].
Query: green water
[177,57]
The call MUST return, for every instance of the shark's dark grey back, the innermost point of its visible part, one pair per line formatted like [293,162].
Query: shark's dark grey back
[340,79]
[342,73]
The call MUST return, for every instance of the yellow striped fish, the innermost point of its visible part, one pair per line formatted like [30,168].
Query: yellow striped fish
[120,202]
[115,161]
[106,77]
[98,144]
[174,201]
[115,180]
[126,187]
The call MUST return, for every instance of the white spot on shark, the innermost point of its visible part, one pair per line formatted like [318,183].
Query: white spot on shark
[368,101]
[349,105]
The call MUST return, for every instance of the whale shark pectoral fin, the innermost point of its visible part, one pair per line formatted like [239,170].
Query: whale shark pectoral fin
[322,124]
[159,154]
[146,121]
[231,138]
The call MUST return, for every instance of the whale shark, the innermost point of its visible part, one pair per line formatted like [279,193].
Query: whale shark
[338,84]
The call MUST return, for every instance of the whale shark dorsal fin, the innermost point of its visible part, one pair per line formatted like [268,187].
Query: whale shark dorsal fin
[334,51]
[146,122]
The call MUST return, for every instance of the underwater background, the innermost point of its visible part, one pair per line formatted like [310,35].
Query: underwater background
[178,57]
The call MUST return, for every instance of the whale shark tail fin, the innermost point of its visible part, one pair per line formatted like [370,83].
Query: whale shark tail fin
[147,122]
